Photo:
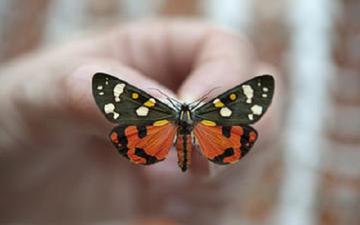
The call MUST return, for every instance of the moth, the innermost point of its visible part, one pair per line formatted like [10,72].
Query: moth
[147,128]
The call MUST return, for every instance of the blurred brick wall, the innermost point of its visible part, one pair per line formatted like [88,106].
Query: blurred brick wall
[181,8]
[339,194]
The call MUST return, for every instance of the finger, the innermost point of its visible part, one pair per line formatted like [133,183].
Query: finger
[163,50]
[54,97]
[224,60]
[271,123]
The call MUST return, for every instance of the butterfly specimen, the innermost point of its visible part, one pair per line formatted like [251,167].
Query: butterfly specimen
[147,128]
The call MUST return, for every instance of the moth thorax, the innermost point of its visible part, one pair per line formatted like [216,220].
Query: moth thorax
[186,117]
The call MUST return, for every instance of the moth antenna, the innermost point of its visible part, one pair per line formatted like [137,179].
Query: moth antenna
[170,99]
[177,107]
[198,101]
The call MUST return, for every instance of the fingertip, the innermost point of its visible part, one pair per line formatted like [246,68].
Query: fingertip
[80,105]
[271,124]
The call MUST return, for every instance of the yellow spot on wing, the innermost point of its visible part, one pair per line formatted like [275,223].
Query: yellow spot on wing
[208,123]
[160,122]
[150,102]
[135,95]
[232,96]
[218,104]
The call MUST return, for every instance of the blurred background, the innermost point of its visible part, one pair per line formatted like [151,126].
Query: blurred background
[312,175]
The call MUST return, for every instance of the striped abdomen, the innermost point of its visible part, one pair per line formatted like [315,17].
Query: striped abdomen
[184,148]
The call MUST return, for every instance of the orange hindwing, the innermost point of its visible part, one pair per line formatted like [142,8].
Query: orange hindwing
[224,144]
[144,144]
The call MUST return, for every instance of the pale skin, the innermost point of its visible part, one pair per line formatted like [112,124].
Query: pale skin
[56,162]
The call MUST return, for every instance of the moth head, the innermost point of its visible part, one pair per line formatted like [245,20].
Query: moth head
[185,107]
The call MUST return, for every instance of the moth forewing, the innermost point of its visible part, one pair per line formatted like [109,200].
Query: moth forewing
[243,104]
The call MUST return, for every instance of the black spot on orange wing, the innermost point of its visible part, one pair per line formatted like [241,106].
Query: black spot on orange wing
[247,141]
[149,159]
[220,158]
[141,131]
[119,139]
[226,131]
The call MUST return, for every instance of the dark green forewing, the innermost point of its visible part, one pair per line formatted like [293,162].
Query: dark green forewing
[125,104]
[243,104]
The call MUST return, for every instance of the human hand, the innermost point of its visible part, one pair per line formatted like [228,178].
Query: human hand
[56,162]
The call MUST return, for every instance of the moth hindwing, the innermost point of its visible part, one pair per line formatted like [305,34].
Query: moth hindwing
[243,104]
[122,103]
[225,144]
[144,144]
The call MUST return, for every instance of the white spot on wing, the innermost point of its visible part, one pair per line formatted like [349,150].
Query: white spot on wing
[116,115]
[265,89]
[100,87]
[118,90]
[142,111]
[101,93]
[110,108]
[248,92]
[251,117]
[264,95]
[259,84]
[225,112]
[256,109]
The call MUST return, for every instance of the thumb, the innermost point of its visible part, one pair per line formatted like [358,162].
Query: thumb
[54,98]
